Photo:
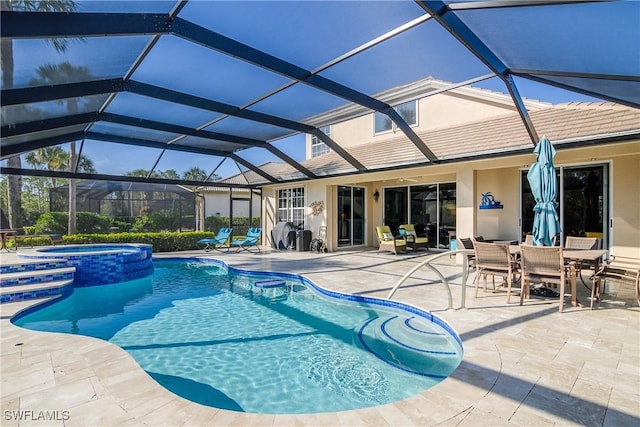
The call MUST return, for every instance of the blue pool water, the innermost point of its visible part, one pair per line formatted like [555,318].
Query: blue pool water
[208,333]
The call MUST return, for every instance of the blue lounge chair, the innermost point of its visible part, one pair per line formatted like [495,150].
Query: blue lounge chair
[219,243]
[250,241]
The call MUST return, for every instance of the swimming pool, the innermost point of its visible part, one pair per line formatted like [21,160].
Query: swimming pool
[206,332]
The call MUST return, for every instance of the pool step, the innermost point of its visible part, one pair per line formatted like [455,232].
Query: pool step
[20,281]
[32,291]
[410,345]
[29,277]
[31,265]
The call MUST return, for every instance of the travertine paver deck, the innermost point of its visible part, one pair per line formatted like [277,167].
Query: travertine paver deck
[528,366]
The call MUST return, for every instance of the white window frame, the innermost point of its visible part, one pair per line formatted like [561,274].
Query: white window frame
[318,147]
[291,205]
[381,116]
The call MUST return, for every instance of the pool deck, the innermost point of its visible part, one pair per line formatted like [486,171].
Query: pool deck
[523,365]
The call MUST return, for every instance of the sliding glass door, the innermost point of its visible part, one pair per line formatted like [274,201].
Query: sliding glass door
[583,198]
[351,211]
[431,208]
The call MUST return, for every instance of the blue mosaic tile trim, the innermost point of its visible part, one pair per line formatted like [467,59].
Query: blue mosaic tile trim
[41,293]
[102,268]
[44,265]
[42,278]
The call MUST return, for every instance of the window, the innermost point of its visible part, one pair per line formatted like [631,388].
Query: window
[318,148]
[408,111]
[291,206]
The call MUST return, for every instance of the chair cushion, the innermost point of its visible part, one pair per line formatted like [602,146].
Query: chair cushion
[387,236]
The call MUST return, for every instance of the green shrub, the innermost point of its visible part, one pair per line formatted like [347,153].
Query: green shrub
[156,222]
[58,223]
[215,223]
[52,223]
[161,242]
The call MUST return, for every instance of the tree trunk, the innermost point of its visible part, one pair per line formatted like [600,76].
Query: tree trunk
[72,190]
[14,182]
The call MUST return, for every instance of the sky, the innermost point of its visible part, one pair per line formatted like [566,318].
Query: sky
[285,32]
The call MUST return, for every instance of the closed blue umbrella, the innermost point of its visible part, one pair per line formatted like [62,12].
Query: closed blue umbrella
[544,187]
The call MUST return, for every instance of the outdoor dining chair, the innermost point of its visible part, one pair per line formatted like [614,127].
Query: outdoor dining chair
[493,259]
[545,264]
[573,242]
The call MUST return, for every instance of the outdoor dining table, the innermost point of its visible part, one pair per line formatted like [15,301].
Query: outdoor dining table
[593,255]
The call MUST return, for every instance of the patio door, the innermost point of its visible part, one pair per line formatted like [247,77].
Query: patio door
[583,199]
[395,207]
[431,208]
[350,216]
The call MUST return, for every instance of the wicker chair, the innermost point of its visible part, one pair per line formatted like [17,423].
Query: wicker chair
[544,264]
[492,259]
[408,232]
[388,242]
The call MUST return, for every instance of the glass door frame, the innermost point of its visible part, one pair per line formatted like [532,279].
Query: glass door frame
[435,238]
[351,230]
[607,204]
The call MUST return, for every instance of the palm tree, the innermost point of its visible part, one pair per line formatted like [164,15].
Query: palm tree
[14,182]
[195,174]
[50,158]
[65,72]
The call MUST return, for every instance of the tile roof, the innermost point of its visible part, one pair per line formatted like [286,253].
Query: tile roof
[502,134]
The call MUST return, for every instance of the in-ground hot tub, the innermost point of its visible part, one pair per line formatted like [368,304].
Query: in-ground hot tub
[101,264]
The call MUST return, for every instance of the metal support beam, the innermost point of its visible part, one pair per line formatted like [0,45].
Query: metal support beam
[51,24]
[274,150]
[25,147]
[231,110]
[338,149]
[60,91]
[180,130]
[176,147]
[218,42]
[441,12]
[522,110]
[404,127]
[118,178]
[47,124]
[24,25]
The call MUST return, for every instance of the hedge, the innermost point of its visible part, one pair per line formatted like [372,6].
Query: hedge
[161,242]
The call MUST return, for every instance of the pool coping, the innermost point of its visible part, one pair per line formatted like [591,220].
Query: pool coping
[100,384]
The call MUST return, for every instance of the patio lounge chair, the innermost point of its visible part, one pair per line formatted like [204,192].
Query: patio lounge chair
[219,243]
[389,242]
[250,241]
[408,231]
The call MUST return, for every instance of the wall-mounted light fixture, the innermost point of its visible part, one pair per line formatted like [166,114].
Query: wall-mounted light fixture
[376,195]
